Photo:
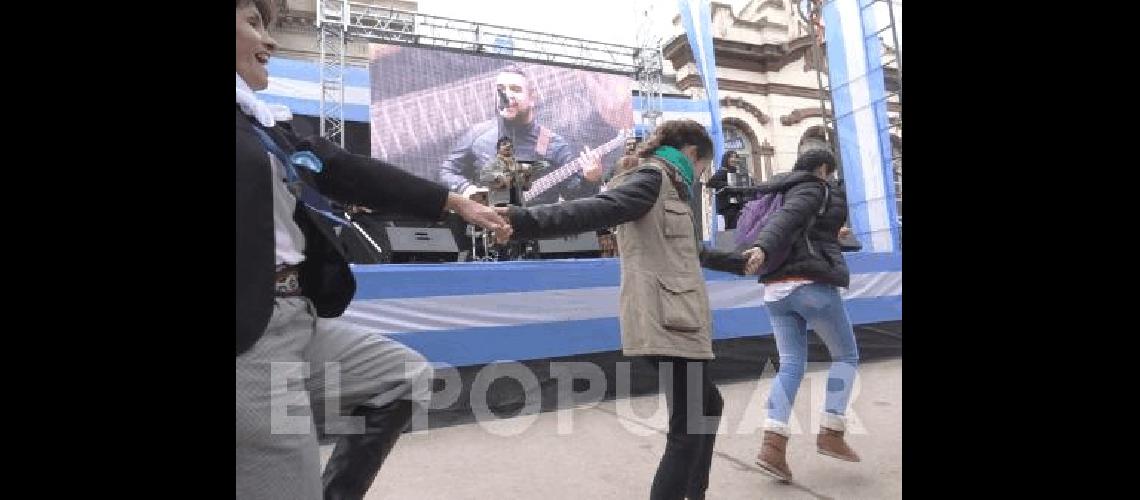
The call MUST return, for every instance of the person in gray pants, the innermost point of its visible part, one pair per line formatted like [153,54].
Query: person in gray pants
[298,367]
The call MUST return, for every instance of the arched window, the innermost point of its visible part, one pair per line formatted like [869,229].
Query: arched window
[755,158]
[736,140]
[818,137]
[813,138]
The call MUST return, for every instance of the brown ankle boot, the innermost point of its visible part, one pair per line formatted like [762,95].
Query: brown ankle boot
[830,442]
[773,456]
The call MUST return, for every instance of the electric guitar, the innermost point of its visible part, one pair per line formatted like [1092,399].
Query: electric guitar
[552,179]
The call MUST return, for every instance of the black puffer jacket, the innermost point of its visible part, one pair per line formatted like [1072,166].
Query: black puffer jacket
[816,257]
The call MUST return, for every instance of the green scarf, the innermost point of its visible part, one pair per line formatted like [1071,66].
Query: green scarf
[679,161]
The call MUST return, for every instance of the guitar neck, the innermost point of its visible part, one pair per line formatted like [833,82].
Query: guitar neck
[564,172]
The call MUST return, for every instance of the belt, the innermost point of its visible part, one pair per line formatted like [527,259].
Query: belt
[288,281]
[788,279]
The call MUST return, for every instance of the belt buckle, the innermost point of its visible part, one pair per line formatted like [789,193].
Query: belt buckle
[287,283]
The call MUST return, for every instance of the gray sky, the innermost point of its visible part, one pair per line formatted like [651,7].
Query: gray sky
[613,21]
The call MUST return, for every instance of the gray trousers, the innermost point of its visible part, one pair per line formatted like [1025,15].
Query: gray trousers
[304,374]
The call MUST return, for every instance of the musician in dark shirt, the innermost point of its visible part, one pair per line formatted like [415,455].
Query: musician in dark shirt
[505,177]
[532,143]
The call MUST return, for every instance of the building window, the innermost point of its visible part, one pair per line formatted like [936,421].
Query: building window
[736,139]
[767,152]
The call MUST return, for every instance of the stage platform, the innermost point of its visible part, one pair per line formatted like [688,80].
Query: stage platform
[474,313]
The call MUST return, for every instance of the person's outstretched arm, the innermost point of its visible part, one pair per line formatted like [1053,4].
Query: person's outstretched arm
[629,201]
[361,180]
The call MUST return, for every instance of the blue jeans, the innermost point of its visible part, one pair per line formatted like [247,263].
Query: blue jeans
[820,307]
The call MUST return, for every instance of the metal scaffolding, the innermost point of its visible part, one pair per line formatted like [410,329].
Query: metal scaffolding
[649,66]
[332,21]
[811,11]
[896,153]
[894,129]
[342,21]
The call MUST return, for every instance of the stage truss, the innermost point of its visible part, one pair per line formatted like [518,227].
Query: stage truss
[649,64]
[811,12]
[342,21]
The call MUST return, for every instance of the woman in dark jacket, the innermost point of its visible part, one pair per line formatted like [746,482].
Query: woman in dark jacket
[727,204]
[803,291]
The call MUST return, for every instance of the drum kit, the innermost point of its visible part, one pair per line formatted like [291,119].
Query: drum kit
[482,248]
[483,245]
[607,240]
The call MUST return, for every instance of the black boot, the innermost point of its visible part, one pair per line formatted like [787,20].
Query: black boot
[358,457]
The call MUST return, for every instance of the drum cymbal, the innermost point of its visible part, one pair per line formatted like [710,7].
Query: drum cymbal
[480,196]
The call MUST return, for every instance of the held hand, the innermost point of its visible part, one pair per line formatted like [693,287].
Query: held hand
[475,213]
[469,190]
[502,236]
[844,232]
[755,258]
[591,165]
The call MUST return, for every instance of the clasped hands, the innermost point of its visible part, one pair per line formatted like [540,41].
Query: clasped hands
[755,258]
[494,219]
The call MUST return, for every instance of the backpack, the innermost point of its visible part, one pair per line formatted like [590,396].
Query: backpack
[755,216]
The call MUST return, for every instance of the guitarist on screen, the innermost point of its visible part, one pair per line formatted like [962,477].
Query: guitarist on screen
[516,100]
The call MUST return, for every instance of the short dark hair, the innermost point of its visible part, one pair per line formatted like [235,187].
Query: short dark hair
[266,8]
[518,70]
[678,134]
[811,159]
[504,140]
[728,155]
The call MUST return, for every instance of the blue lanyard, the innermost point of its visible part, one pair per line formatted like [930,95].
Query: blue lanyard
[304,192]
